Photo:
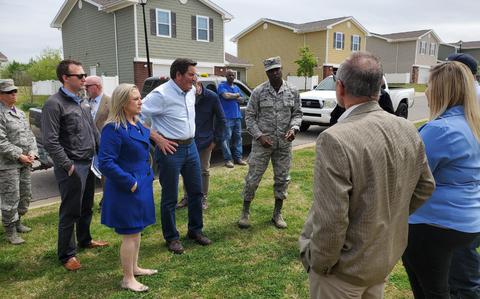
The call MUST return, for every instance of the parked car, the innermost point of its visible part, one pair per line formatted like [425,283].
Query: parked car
[210,82]
[317,104]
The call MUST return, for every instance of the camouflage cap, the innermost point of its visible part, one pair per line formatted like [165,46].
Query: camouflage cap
[272,63]
[7,85]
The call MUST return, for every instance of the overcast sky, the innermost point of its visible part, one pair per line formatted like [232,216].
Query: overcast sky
[25,24]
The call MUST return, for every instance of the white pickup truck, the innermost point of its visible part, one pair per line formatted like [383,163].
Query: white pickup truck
[317,104]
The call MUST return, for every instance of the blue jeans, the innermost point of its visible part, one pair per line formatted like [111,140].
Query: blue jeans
[184,161]
[233,140]
[464,277]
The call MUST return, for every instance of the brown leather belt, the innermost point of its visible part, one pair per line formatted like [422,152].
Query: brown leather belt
[183,142]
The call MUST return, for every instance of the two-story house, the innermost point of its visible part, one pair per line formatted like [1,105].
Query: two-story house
[330,41]
[108,37]
[409,53]
[3,60]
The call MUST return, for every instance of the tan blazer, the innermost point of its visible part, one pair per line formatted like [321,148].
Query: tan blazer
[371,172]
[102,112]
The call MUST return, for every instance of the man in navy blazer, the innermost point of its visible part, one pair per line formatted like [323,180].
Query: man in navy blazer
[209,131]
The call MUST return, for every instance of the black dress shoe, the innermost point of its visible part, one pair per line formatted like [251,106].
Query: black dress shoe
[199,238]
[175,246]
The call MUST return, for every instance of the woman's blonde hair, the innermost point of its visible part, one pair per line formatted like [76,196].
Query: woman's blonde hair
[120,97]
[451,84]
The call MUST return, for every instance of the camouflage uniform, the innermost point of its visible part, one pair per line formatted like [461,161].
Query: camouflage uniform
[16,138]
[272,114]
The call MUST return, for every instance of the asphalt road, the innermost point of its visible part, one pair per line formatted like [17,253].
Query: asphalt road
[44,185]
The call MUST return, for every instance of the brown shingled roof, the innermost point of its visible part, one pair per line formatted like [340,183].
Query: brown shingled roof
[232,59]
[404,35]
[311,26]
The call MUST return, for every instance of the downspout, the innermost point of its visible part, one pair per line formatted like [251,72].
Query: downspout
[116,42]
[135,29]
[396,61]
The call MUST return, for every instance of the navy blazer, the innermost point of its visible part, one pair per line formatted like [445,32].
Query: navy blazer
[209,119]
[124,159]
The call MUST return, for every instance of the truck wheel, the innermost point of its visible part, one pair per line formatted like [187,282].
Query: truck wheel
[402,110]
[304,127]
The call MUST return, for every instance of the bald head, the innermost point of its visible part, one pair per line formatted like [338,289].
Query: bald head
[93,85]
[361,75]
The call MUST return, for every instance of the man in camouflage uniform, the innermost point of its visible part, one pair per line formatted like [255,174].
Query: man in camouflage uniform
[273,117]
[18,150]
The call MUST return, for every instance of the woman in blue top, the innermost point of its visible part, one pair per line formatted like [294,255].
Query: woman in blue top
[450,219]
[128,204]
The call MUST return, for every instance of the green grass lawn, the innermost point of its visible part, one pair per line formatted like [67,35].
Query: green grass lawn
[260,262]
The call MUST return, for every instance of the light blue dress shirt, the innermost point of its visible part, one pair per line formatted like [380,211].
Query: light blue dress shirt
[94,104]
[453,154]
[170,111]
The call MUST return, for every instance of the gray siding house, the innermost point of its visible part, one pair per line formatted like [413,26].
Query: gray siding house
[446,49]
[406,54]
[107,36]
[3,60]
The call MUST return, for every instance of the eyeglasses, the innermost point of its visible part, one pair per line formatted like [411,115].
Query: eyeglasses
[10,92]
[79,76]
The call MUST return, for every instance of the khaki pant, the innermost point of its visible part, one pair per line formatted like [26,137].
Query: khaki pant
[332,287]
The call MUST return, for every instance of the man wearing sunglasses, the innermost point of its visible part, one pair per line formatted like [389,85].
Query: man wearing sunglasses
[18,151]
[71,138]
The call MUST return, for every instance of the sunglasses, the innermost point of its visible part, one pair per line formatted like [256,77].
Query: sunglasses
[79,76]
[10,92]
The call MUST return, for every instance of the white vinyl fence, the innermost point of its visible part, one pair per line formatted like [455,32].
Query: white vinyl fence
[299,82]
[50,87]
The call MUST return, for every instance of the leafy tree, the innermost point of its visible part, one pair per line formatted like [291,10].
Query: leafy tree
[44,66]
[306,63]
[14,69]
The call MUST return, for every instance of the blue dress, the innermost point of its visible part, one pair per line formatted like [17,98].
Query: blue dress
[123,160]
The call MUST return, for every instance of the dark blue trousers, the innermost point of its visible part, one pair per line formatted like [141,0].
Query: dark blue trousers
[184,161]
[464,276]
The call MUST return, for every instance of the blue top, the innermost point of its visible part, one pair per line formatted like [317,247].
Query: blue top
[210,119]
[71,95]
[230,106]
[453,154]
[171,111]
[124,160]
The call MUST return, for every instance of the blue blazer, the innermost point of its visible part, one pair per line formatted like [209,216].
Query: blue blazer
[124,159]
[453,154]
[209,119]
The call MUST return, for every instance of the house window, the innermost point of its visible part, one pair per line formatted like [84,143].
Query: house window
[423,47]
[338,40]
[355,43]
[202,28]
[164,23]
[433,49]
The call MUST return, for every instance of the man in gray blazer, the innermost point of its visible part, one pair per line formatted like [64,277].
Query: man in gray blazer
[99,102]
[370,173]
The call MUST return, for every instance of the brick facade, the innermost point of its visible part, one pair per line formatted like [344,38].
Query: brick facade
[140,73]
[414,76]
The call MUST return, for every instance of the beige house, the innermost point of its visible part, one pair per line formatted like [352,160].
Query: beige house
[331,41]
[407,55]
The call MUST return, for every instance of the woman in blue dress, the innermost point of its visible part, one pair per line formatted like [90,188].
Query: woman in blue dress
[128,205]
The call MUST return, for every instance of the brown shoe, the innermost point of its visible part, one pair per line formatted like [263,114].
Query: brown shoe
[72,264]
[96,244]
[175,246]
[199,238]
[240,162]
[182,204]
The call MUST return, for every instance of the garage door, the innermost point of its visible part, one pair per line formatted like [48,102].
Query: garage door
[423,73]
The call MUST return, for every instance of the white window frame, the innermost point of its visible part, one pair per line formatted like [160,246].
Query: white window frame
[357,43]
[208,28]
[157,10]
[434,45]
[423,47]
[337,34]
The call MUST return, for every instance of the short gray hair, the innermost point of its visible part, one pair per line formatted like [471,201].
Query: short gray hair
[361,75]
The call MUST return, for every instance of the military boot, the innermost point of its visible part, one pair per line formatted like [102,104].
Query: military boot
[277,218]
[21,228]
[11,234]
[244,221]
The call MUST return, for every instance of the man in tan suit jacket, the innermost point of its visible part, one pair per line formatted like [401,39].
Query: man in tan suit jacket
[371,172]
[99,102]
